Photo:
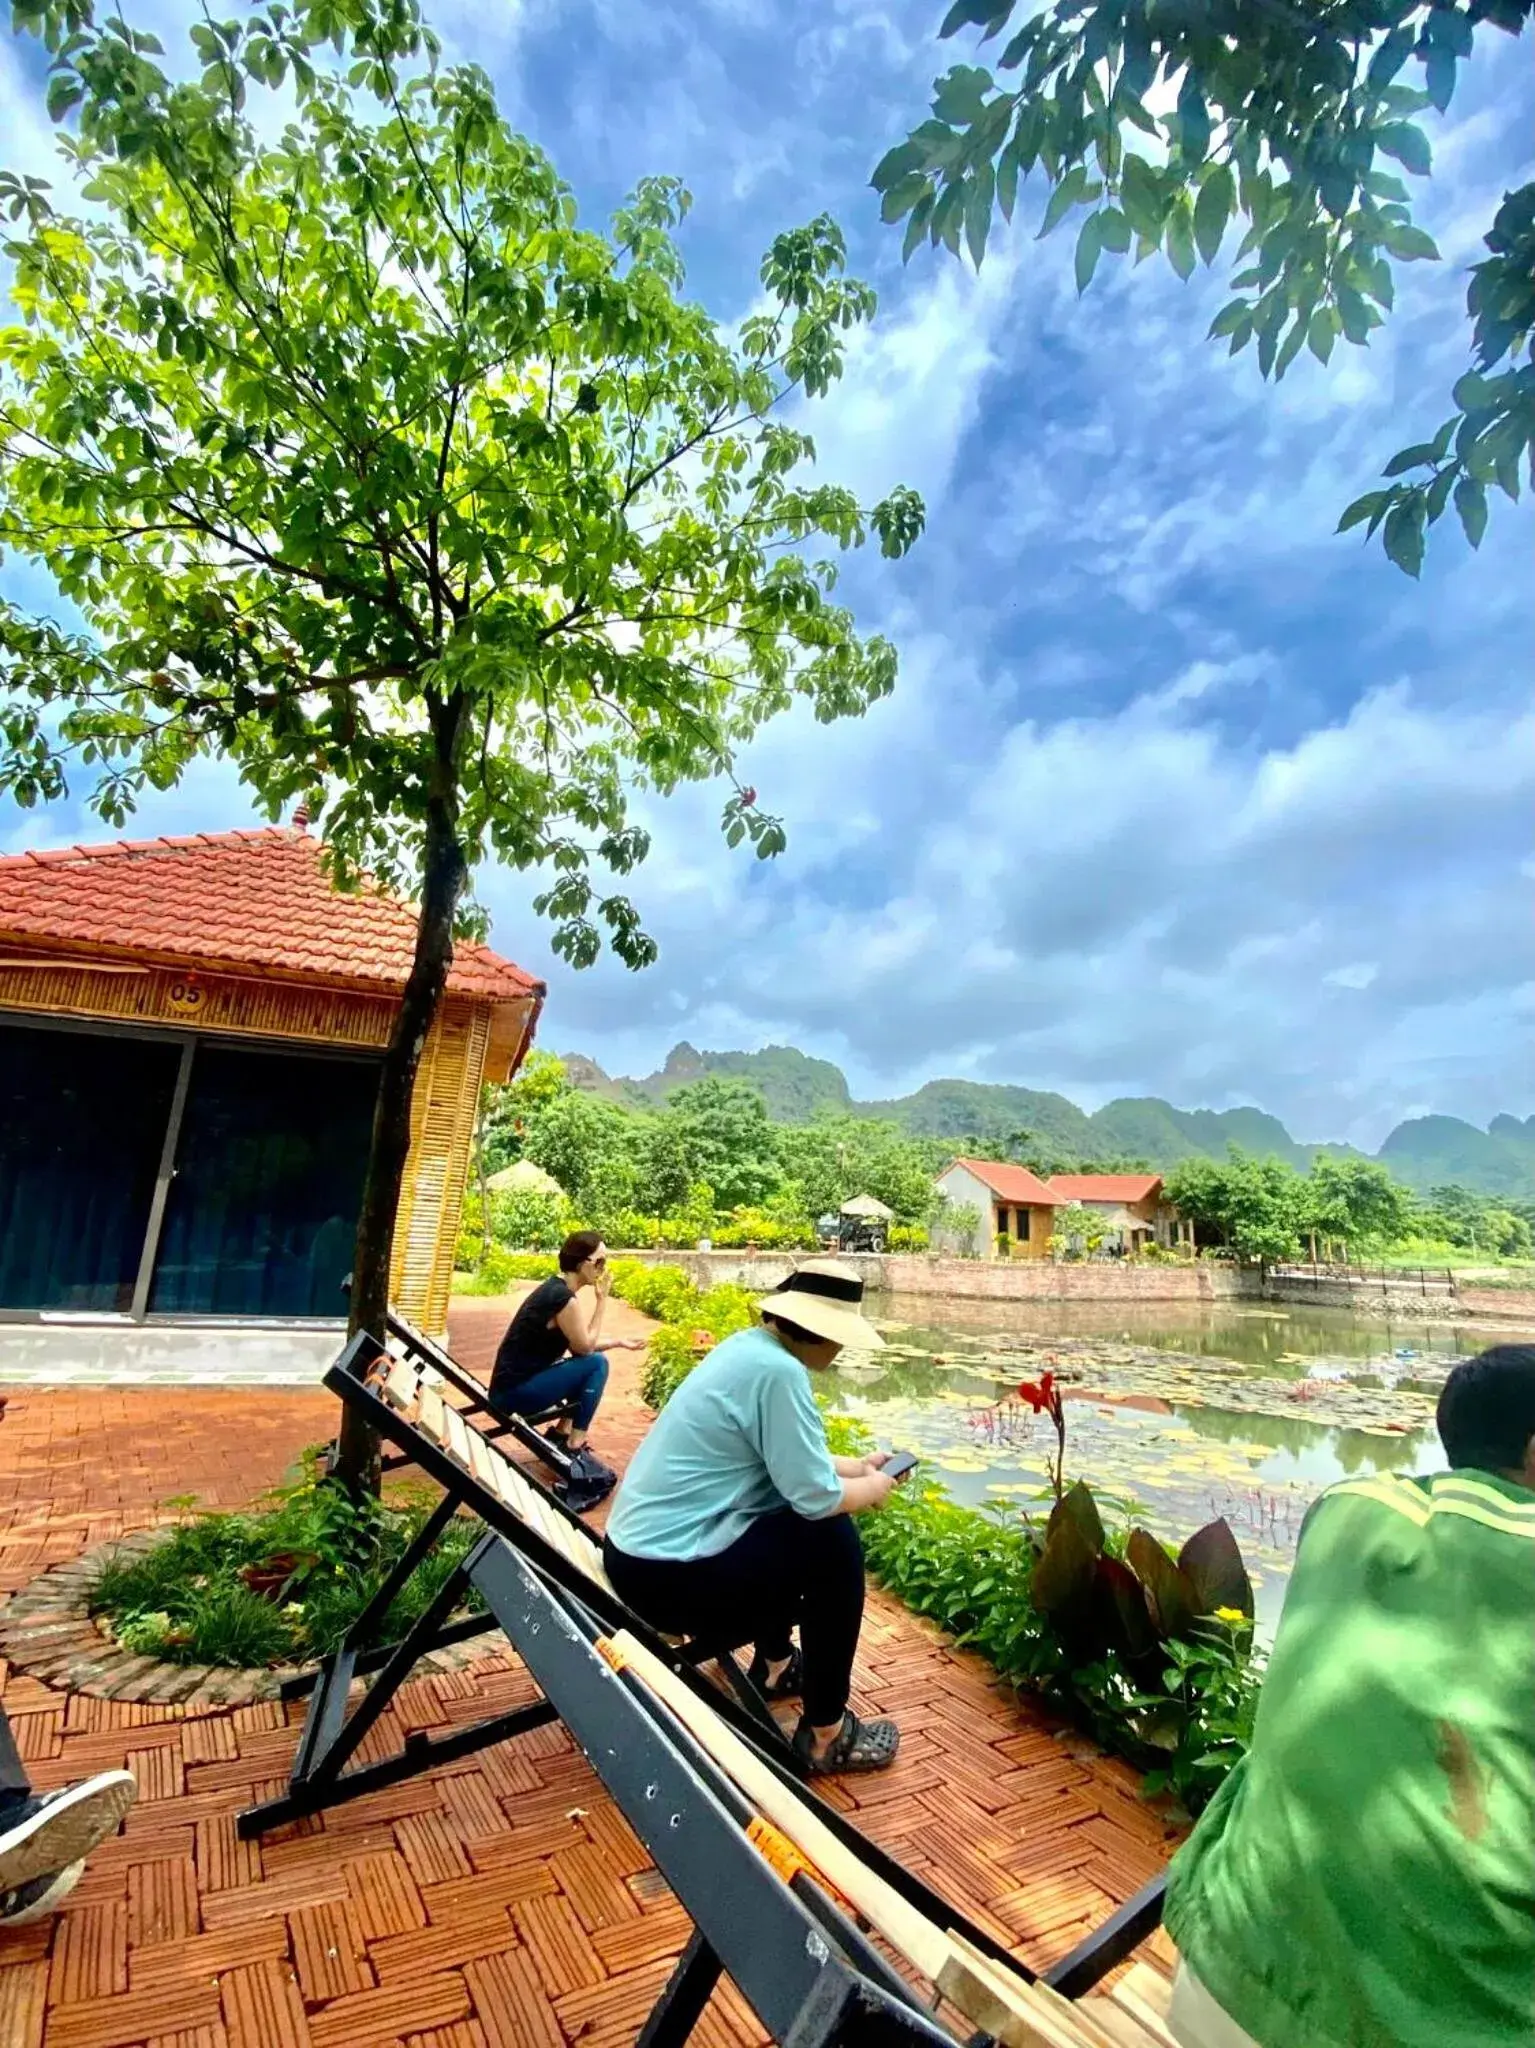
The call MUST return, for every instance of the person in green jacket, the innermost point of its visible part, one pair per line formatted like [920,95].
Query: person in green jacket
[1365,1878]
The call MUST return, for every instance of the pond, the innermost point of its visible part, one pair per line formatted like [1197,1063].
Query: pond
[1237,1409]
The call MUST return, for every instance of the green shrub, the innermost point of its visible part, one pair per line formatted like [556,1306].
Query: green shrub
[771,1233]
[502,1270]
[908,1237]
[971,1569]
[316,1557]
[671,1356]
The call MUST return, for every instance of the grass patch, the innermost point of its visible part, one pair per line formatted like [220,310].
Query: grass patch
[279,1585]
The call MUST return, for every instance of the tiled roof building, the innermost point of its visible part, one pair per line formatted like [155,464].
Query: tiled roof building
[189,1037]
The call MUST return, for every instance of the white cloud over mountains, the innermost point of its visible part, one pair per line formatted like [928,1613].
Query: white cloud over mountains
[1179,793]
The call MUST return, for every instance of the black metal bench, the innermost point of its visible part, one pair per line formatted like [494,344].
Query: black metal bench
[552,1562]
[402,1400]
[762,1911]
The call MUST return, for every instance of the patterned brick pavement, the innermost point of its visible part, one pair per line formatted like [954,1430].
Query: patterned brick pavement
[501,1902]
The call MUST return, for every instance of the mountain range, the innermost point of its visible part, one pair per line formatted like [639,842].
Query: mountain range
[1425,1151]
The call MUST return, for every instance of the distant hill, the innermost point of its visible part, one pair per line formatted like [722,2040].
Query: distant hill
[1426,1151]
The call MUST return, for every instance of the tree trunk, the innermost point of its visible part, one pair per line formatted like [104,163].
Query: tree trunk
[444,875]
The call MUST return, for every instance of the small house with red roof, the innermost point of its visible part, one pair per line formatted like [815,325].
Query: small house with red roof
[1018,1210]
[1013,1207]
[1129,1206]
[190,1035]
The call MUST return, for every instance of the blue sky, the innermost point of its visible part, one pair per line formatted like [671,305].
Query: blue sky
[1179,792]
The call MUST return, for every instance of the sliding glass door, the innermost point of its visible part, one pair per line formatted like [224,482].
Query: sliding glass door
[83,1119]
[262,1211]
[174,1176]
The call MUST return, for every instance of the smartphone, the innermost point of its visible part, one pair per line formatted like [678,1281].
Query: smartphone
[899,1464]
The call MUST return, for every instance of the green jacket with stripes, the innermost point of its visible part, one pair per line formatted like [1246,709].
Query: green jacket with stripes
[1365,1878]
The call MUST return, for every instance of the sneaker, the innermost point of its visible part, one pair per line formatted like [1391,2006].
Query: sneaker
[48,1831]
[38,1897]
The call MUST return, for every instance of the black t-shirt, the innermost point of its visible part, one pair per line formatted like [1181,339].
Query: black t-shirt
[533,1340]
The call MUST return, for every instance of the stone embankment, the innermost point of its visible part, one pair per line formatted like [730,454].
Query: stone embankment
[1407,1297]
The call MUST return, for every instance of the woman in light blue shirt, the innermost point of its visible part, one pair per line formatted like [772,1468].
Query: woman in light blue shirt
[733,1522]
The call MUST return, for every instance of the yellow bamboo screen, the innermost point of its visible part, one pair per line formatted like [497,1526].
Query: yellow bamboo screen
[441,1134]
[260,1009]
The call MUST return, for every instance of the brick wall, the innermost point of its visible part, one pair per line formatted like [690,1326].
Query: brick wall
[1044,1280]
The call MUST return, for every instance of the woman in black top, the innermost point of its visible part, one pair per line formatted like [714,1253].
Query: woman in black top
[550,1352]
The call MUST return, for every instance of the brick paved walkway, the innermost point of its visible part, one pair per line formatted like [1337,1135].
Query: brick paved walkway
[500,1903]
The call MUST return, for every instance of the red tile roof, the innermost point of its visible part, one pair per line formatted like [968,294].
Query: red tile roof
[1105,1187]
[1013,1183]
[230,900]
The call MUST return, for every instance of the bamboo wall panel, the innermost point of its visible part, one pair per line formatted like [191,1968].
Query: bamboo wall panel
[441,1135]
[253,1009]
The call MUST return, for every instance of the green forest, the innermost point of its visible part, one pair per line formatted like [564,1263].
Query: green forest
[1424,1152]
[709,1159]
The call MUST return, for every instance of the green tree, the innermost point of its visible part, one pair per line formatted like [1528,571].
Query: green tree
[839,1157]
[664,1163]
[1294,117]
[1357,1200]
[375,473]
[588,1146]
[508,1109]
[729,1141]
[1254,1207]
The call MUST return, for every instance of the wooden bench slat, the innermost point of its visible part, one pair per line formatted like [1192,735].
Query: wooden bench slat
[432,1419]
[457,1436]
[402,1386]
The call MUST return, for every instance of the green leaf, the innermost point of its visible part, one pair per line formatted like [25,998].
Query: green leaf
[1439,74]
[1471,504]
[1322,332]
[1367,507]
[1180,238]
[1409,244]
[1007,177]
[1193,120]
[1391,55]
[960,95]
[1291,347]
[1410,458]
[1114,230]
[978,205]
[1404,534]
[899,163]
[1089,247]
[1070,189]
[903,195]
[916,227]
[1212,210]
[969,13]
[1142,197]
[64,91]
[1228,319]
[1407,144]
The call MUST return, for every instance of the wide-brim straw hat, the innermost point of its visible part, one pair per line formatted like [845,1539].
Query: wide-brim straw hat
[824,1298]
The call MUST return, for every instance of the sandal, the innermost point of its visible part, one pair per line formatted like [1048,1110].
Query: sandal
[789,1684]
[856,1746]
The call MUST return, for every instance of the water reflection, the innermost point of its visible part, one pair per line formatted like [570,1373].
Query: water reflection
[1170,1412]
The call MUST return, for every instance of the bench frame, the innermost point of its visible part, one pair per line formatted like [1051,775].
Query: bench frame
[420,1349]
[324,1773]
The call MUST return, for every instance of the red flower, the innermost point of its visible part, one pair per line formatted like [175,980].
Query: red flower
[1042,1397]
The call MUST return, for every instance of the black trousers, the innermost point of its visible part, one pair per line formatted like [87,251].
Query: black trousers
[13,1772]
[785,1572]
